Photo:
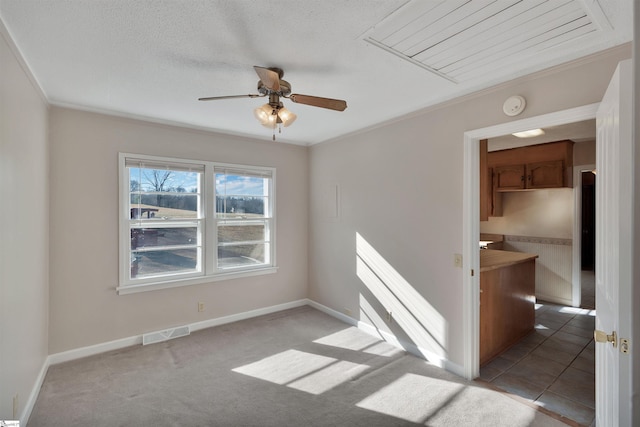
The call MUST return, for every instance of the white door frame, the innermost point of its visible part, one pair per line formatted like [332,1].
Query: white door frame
[471,218]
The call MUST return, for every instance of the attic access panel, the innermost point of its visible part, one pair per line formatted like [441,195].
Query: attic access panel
[458,39]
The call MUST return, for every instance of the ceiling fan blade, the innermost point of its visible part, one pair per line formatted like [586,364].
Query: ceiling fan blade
[270,79]
[316,101]
[213,98]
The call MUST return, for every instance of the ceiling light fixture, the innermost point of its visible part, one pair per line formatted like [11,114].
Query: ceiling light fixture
[274,114]
[529,133]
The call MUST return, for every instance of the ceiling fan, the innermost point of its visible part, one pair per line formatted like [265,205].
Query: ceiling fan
[274,113]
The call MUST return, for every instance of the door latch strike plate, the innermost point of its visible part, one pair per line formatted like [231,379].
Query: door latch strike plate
[624,346]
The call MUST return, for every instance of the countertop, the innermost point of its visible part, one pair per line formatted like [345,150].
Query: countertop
[490,259]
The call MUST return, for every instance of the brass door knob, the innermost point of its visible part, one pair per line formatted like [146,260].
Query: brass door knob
[600,336]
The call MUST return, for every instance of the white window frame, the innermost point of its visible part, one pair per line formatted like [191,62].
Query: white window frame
[208,226]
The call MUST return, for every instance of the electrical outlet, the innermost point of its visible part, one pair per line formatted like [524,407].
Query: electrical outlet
[389,316]
[457,260]
[200,306]
[15,406]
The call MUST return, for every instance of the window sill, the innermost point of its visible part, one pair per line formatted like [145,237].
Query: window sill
[132,289]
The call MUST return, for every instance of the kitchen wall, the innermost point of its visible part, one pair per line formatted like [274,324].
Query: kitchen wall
[584,153]
[391,245]
[24,232]
[542,222]
[85,308]
[540,213]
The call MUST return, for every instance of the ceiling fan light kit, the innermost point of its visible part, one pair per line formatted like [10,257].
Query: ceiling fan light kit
[274,113]
[270,116]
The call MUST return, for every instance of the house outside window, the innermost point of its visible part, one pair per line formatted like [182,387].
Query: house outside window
[186,222]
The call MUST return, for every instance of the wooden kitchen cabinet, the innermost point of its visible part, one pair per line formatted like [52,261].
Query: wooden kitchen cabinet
[530,176]
[536,166]
[532,167]
[490,202]
[545,174]
[509,178]
[507,300]
[485,182]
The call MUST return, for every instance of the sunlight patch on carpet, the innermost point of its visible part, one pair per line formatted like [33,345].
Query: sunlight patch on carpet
[303,371]
[412,397]
[353,339]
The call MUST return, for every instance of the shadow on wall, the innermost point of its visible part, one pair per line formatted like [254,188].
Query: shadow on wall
[402,306]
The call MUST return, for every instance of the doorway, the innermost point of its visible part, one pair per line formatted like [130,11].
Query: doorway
[616,372]
[588,220]
[552,366]
[471,215]
[588,239]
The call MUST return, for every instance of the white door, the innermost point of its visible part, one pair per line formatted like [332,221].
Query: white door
[614,199]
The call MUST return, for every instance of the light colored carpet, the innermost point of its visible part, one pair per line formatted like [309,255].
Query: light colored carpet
[298,367]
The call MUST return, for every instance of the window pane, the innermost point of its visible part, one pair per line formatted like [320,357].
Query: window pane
[241,255]
[150,237]
[161,180]
[162,193]
[159,262]
[240,185]
[241,232]
[165,206]
[240,207]
[241,195]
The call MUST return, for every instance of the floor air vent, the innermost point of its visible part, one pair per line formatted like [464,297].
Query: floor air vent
[167,334]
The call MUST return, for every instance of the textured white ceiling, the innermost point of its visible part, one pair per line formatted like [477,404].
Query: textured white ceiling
[154,58]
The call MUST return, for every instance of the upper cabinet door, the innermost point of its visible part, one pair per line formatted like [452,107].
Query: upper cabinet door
[509,178]
[545,174]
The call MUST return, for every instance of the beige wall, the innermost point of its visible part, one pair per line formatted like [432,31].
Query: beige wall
[584,153]
[539,213]
[401,190]
[24,231]
[85,308]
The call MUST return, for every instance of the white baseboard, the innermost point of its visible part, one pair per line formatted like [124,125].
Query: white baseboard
[333,313]
[392,339]
[246,315]
[78,353]
[33,396]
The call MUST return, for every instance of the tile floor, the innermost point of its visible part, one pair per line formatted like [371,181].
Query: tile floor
[553,366]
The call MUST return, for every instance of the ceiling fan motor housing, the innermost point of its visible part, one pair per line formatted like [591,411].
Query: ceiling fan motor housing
[285,88]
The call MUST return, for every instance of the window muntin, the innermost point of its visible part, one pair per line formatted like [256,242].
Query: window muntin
[169,224]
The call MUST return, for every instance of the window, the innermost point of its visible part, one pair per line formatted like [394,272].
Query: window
[185,222]
[243,217]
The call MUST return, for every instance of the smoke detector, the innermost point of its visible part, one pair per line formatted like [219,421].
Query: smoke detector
[514,105]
